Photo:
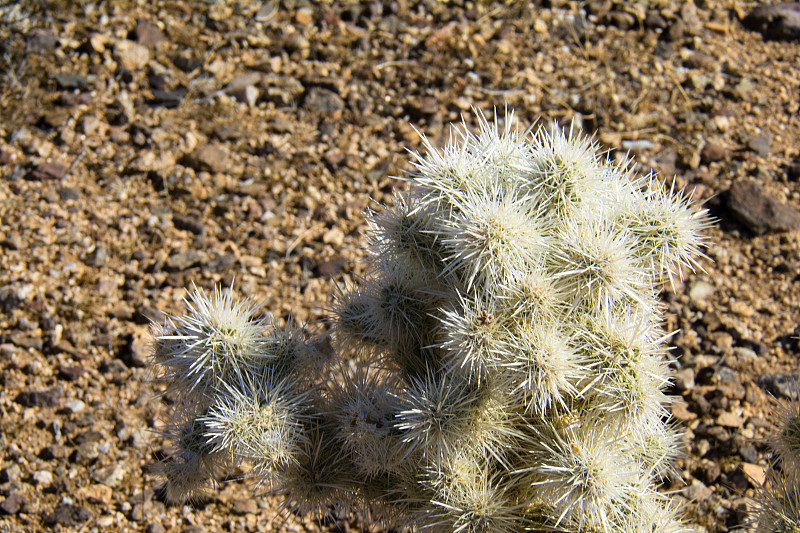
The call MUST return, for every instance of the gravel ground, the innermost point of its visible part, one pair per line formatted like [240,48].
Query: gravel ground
[145,146]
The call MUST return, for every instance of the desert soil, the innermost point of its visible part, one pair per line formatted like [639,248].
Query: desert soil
[146,146]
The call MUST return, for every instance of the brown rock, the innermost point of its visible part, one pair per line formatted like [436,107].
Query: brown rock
[40,40]
[793,170]
[208,157]
[27,340]
[148,34]
[48,171]
[330,267]
[680,412]
[193,224]
[241,81]
[731,420]
[246,95]
[751,205]
[6,156]
[713,152]
[304,16]
[283,90]
[98,42]
[334,236]
[111,476]
[184,260]
[690,18]
[777,21]
[245,505]
[441,36]
[12,503]
[755,473]
[323,101]
[43,398]
[698,491]
[760,144]
[737,480]
[701,61]
[66,515]
[131,55]
[48,453]
[136,352]
[684,379]
[10,473]
[781,384]
[708,472]
[676,31]
[43,478]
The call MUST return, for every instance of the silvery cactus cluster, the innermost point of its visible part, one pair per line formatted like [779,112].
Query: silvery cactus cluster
[779,498]
[500,367]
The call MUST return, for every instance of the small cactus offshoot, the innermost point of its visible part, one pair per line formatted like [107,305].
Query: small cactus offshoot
[778,501]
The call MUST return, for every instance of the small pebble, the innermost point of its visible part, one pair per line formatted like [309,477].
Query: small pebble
[208,157]
[713,152]
[12,504]
[701,290]
[131,55]
[760,144]
[48,171]
[41,40]
[148,34]
[74,406]
[10,473]
[43,478]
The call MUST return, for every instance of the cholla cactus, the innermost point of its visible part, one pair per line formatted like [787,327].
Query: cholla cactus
[779,498]
[243,391]
[501,366]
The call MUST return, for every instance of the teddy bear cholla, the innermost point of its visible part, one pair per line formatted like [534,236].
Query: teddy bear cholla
[500,367]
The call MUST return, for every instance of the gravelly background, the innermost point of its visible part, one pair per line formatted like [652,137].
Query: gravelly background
[148,145]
